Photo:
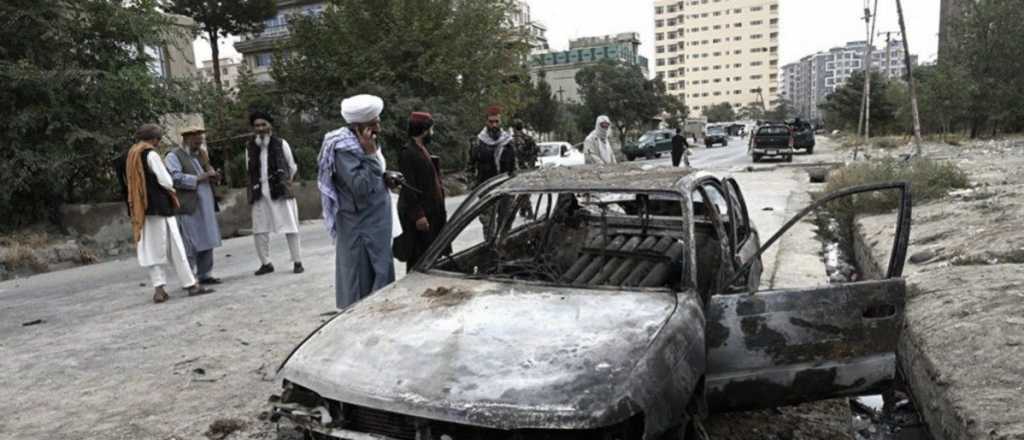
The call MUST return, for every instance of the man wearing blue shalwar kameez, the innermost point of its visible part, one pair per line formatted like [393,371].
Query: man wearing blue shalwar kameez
[197,217]
[356,202]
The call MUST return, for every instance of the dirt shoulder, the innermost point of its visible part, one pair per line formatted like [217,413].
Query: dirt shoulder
[963,345]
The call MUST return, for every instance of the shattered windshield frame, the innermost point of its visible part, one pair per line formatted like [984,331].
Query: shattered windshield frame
[647,222]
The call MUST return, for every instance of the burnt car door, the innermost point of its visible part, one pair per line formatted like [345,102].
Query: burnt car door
[746,238]
[782,347]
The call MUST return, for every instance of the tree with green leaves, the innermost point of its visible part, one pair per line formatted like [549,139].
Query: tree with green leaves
[842,107]
[76,81]
[625,95]
[721,112]
[541,111]
[986,55]
[781,112]
[220,19]
[452,58]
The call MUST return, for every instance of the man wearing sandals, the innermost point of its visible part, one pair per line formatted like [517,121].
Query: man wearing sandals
[152,203]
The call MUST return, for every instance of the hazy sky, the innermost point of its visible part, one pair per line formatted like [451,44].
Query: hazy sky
[806,26]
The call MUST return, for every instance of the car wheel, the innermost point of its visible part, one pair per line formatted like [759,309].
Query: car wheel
[757,158]
[810,150]
[630,157]
[789,158]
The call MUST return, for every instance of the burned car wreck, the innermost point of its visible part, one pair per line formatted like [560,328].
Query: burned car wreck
[602,303]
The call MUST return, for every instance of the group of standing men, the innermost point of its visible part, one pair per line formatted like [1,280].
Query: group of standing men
[173,208]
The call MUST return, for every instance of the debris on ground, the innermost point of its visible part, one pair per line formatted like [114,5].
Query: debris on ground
[33,322]
[222,428]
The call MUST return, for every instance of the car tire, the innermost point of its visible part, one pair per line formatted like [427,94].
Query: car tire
[630,157]
[789,158]
[658,155]
[810,150]
[757,158]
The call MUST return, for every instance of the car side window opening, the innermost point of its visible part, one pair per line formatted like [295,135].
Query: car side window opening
[572,239]
[709,243]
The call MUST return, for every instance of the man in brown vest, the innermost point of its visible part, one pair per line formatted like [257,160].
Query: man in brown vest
[271,170]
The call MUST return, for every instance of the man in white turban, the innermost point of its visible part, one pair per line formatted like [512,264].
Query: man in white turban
[356,202]
[597,148]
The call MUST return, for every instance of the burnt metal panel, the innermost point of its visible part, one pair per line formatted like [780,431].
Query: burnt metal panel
[505,355]
[791,346]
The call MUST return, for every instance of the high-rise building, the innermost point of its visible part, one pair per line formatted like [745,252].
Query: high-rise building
[258,50]
[536,33]
[230,70]
[715,51]
[807,82]
[559,68]
[949,12]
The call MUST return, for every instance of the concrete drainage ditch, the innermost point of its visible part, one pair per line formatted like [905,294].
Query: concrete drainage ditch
[877,417]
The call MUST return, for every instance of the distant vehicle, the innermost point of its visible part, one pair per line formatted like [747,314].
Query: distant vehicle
[558,154]
[772,140]
[650,145]
[716,135]
[803,136]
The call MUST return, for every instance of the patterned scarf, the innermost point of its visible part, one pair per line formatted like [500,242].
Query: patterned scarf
[342,139]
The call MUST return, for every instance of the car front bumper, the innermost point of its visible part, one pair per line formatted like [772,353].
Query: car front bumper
[773,151]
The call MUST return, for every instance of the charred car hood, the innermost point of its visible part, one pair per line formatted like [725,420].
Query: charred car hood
[490,354]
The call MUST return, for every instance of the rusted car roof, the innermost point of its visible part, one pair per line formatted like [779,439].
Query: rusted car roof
[627,177]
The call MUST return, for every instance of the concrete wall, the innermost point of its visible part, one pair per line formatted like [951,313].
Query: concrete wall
[109,225]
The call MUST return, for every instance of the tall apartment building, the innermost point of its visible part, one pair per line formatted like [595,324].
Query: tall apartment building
[807,82]
[522,19]
[258,50]
[715,51]
[949,12]
[559,68]
[230,70]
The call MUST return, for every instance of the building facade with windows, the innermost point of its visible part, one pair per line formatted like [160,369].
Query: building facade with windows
[807,82]
[176,59]
[559,68]
[715,51]
[230,69]
[536,33]
[258,50]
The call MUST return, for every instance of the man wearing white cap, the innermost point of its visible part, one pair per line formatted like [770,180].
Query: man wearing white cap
[356,202]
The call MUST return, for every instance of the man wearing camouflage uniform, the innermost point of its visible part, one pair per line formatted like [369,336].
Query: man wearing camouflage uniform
[526,157]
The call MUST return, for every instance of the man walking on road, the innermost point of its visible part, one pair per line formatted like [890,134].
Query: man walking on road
[494,154]
[596,148]
[271,170]
[151,204]
[356,202]
[197,216]
[421,210]
[680,149]
[525,147]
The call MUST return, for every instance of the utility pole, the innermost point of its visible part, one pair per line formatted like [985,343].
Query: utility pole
[867,72]
[888,53]
[863,97]
[910,81]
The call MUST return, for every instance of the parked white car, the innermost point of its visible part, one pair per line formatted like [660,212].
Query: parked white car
[558,154]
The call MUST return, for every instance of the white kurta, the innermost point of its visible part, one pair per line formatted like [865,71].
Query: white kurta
[279,216]
[159,232]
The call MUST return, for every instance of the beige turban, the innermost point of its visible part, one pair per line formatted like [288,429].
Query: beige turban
[361,109]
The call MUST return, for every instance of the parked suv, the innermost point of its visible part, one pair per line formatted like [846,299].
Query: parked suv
[772,140]
[650,145]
